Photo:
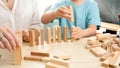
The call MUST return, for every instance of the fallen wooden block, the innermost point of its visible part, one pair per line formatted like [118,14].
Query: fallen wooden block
[44,54]
[117,40]
[62,57]
[106,62]
[114,63]
[57,63]
[102,37]
[92,46]
[45,59]
[106,56]
[116,47]
[98,51]
[33,58]
[92,42]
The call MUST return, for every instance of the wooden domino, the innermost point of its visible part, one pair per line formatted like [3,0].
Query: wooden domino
[54,34]
[117,40]
[17,53]
[31,37]
[57,63]
[92,46]
[42,36]
[59,34]
[44,54]
[71,19]
[98,51]
[102,37]
[116,47]
[36,36]
[65,34]
[72,39]
[92,42]
[106,56]
[114,63]
[106,62]
[48,35]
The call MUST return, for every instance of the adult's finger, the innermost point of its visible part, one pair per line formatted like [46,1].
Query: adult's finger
[13,34]
[2,45]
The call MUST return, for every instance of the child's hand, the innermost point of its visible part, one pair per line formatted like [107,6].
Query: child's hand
[76,32]
[25,35]
[63,12]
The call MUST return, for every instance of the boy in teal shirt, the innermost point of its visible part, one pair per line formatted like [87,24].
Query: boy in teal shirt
[86,17]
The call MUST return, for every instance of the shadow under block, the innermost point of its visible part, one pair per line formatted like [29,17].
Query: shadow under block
[114,63]
[31,37]
[62,57]
[57,63]
[54,34]
[59,34]
[42,36]
[65,34]
[71,19]
[98,51]
[17,53]
[48,35]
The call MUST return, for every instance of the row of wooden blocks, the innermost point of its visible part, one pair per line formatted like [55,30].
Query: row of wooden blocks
[55,62]
[56,34]
[103,47]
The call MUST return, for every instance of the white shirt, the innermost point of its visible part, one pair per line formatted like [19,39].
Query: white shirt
[23,14]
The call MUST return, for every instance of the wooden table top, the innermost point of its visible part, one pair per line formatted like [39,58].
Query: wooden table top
[80,56]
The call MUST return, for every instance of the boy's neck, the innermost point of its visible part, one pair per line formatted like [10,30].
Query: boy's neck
[78,2]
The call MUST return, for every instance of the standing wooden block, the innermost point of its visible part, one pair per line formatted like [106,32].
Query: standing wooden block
[17,53]
[57,63]
[115,60]
[72,15]
[54,34]
[42,36]
[65,34]
[72,39]
[48,35]
[59,34]
[98,51]
[36,36]
[31,37]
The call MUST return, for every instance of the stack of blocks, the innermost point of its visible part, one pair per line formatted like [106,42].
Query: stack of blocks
[107,48]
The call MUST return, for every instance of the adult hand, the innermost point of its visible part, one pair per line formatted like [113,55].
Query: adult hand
[63,12]
[76,33]
[8,39]
[25,35]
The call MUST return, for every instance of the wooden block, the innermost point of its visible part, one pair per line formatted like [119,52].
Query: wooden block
[44,54]
[92,42]
[31,37]
[117,40]
[106,62]
[59,34]
[92,46]
[48,35]
[45,59]
[98,51]
[62,57]
[17,53]
[54,34]
[57,63]
[72,39]
[107,43]
[102,37]
[72,15]
[65,34]
[116,47]
[33,58]
[114,63]
[42,36]
[36,36]
[106,56]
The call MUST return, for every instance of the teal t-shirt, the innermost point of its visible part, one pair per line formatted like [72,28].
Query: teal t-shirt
[84,14]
